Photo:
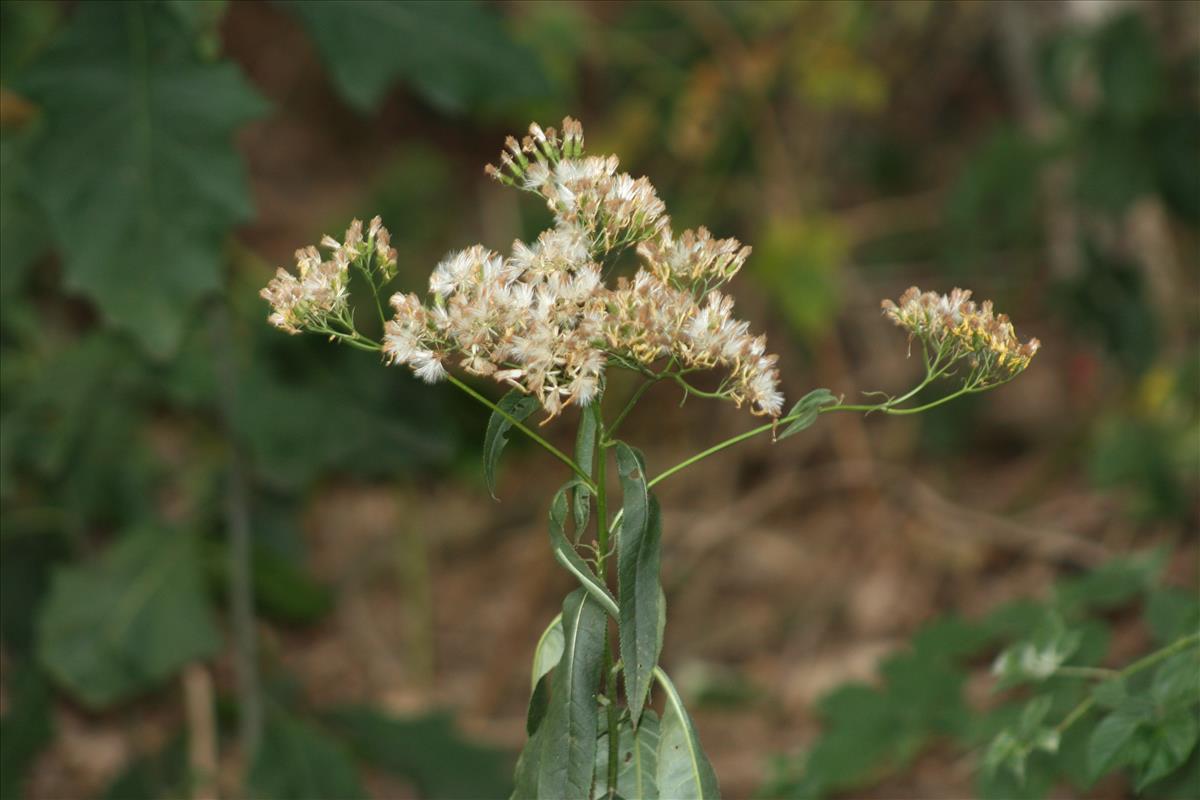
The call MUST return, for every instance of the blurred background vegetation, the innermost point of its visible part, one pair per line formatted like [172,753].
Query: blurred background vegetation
[234,562]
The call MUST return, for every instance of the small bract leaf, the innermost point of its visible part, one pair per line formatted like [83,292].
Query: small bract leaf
[805,412]
[517,406]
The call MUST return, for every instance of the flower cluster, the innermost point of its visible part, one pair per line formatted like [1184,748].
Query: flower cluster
[953,327]
[317,294]
[543,319]
[613,210]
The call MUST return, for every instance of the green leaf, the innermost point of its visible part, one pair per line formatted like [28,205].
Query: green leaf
[806,411]
[637,757]
[26,727]
[1111,694]
[566,555]
[1111,585]
[457,55]
[141,227]
[127,622]
[548,651]
[683,770]
[155,775]
[546,656]
[300,762]
[516,405]
[568,737]
[1108,745]
[1169,744]
[585,456]
[639,592]
[426,749]
[1172,612]
[1177,682]
[23,232]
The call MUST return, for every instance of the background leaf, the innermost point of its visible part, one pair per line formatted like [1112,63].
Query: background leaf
[298,761]
[141,228]
[127,622]
[456,55]
[428,751]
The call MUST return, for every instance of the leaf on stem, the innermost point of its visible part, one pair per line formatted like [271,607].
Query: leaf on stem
[638,559]
[566,555]
[682,770]
[637,756]
[546,656]
[805,412]
[567,751]
[516,405]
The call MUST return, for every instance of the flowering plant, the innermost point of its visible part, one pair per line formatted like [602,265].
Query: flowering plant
[546,322]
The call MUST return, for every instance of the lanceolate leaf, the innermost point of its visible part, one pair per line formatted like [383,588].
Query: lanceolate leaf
[548,651]
[566,555]
[136,167]
[805,412]
[126,623]
[638,581]
[546,656]
[585,452]
[568,736]
[683,769]
[516,405]
[638,760]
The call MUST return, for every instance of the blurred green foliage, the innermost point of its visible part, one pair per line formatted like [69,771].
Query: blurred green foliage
[873,733]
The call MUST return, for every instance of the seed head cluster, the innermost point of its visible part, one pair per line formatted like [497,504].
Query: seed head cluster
[543,319]
[954,326]
[318,293]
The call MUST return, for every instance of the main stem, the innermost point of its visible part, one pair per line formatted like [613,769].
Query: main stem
[610,690]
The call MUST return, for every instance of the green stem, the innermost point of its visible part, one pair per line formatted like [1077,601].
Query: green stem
[1086,672]
[1178,646]
[602,533]
[637,395]
[750,434]
[689,389]
[549,448]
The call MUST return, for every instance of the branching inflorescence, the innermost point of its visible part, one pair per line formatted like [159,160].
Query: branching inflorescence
[549,320]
